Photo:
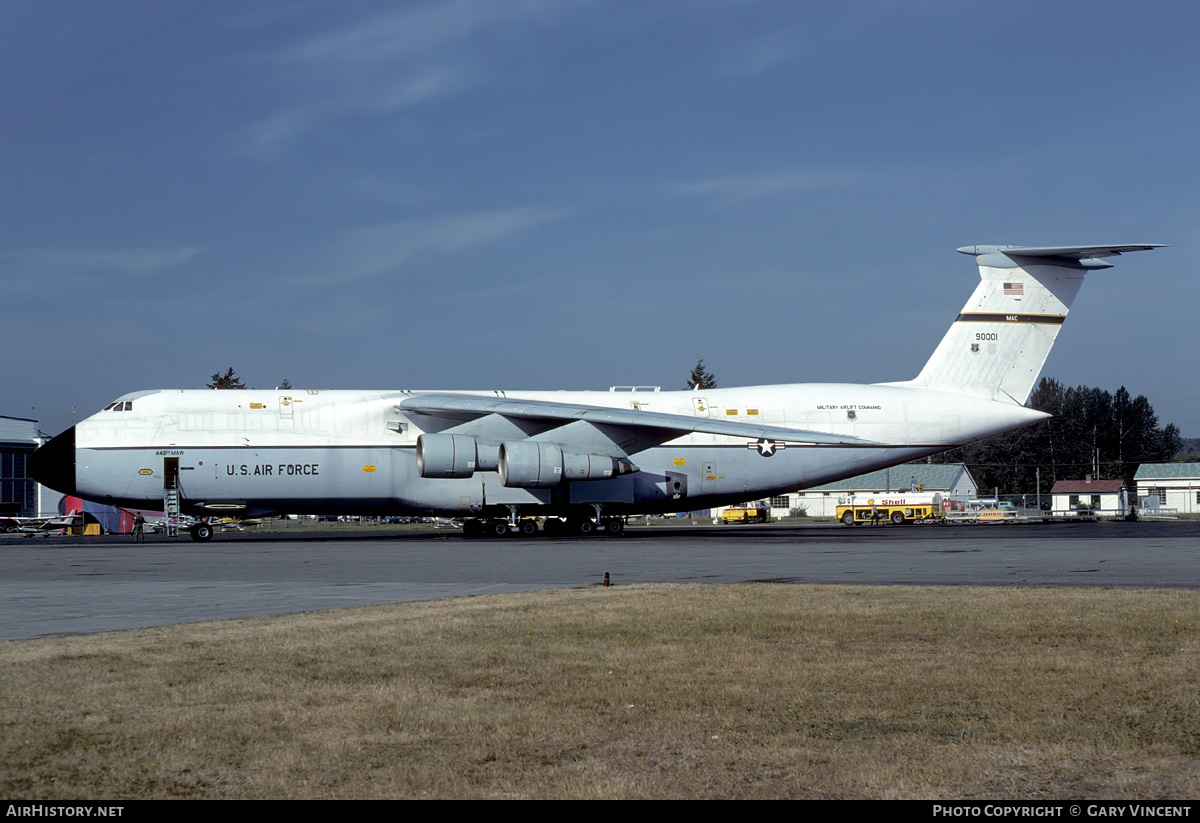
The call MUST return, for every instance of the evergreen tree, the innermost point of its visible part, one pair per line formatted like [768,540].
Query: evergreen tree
[701,378]
[228,380]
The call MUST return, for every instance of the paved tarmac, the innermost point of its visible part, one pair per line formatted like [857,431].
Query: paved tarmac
[53,586]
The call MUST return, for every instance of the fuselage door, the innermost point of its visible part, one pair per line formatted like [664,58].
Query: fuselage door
[285,408]
[701,406]
[708,479]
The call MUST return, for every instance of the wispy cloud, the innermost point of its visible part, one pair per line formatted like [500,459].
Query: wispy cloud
[376,250]
[735,189]
[39,270]
[392,35]
[388,63]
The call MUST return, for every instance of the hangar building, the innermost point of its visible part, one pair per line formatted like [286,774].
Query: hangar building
[20,495]
[951,479]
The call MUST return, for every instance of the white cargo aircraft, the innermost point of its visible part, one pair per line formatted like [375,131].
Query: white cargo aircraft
[497,459]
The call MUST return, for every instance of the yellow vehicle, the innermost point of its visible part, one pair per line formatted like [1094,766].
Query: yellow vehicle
[898,509]
[745,514]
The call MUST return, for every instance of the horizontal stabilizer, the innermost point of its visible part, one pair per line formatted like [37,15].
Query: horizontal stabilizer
[1065,252]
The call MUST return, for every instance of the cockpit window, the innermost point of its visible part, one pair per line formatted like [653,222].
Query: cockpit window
[109,407]
[119,405]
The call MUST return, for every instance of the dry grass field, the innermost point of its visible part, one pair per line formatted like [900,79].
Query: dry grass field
[751,691]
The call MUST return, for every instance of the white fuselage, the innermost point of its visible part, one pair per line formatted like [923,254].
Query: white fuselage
[261,451]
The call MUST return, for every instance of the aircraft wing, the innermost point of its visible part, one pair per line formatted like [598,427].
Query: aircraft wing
[668,426]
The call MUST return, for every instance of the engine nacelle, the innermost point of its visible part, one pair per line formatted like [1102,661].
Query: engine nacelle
[589,467]
[446,455]
[528,465]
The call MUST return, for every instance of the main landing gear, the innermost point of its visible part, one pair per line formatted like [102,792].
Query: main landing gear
[201,532]
[551,527]
[573,526]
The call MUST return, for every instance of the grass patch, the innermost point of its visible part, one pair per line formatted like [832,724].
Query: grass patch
[753,690]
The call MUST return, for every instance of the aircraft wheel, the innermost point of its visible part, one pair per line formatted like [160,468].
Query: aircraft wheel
[201,532]
[472,528]
[848,519]
[528,528]
[897,518]
[552,526]
[497,528]
[615,526]
[583,528]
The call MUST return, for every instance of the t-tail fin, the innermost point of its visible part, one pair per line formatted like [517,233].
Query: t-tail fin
[997,345]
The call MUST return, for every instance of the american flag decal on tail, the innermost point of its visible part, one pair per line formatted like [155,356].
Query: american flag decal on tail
[1014,289]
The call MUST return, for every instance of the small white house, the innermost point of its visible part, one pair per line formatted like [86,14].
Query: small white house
[1170,486]
[1088,497]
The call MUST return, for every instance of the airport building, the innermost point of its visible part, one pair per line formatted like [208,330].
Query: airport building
[1169,486]
[953,479]
[1075,498]
[949,479]
[20,495]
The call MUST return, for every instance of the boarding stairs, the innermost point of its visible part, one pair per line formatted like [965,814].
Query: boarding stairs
[171,512]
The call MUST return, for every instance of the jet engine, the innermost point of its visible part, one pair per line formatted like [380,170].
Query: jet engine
[446,455]
[528,465]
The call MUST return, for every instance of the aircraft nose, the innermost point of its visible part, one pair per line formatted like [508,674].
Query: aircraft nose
[53,464]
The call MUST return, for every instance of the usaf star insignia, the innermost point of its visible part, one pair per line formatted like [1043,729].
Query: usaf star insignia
[766,447]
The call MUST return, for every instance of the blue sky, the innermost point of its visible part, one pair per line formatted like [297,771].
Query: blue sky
[570,194]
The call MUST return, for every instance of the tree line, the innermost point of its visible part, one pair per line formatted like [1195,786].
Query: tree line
[1107,435]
